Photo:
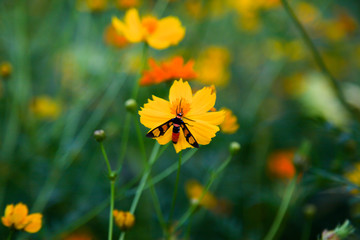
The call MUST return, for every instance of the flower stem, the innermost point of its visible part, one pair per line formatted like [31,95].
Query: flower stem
[282,210]
[175,191]
[319,61]
[112,177]
[143,180]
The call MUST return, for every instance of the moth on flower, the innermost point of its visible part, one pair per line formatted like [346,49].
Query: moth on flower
[184,119]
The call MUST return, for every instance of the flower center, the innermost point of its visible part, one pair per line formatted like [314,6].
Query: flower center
[180,105]
[150,24]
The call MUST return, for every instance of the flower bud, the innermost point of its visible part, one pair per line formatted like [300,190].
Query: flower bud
[131,105]
[234,147]
[99,135]
[124,220]
[112,176]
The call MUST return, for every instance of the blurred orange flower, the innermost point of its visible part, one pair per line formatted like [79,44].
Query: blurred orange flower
[113,38]
[17,217]
[5,69]
[194,191]
[158,33]
[280,164]
[167,71]
[127,3]
[79,236]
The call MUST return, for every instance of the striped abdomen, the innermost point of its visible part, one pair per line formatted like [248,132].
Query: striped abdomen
[175,133]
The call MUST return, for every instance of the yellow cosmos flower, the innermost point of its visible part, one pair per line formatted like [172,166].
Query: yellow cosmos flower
[124,220]
[230,124]
[5,69]
[17,217]
[354,177]
[158,33]
[197,123]
[194,191]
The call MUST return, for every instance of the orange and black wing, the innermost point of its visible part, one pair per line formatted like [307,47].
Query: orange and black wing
[189,137]
[160,130]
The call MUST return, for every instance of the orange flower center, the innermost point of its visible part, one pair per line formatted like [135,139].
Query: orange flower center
[150,24]
[180,105]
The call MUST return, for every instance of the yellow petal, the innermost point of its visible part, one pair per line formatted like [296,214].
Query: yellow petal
[204,127]
[131,28]
[6,220]
[19,214]
[179,90]
[203,101]
[33,223]
[168,32]
[155,112]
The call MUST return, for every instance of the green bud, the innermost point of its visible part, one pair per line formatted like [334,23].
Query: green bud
[99,135]
[112,176]
[234,147]
[131,105]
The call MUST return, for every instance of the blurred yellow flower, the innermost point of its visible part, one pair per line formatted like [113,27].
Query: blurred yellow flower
[294,84]
[230,124]
[194,191]
[124,220]
[5,69]
[354,177]
[183,110]
[280,164]
[276,49]
[17,217]
[123,4]
[337,29]
[45,107]
[213,66]
[113,38]
[307,12]
[158,33]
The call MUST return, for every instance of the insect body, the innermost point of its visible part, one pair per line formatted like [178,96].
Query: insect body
[177,123]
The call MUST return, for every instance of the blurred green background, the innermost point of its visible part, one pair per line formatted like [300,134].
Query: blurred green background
[67,80]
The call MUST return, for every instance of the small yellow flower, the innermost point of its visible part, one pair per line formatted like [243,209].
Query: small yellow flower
[17,217]
[185,111]
[45,107]
[5,69]
[194,191]
[158,33]
[125,220]
[230,124]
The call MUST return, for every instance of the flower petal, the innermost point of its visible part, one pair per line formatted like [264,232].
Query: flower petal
[155,112]
[19,215]
[131,28]
[203,101]
[168,32]
[33,223]
[179,90]
[204,126]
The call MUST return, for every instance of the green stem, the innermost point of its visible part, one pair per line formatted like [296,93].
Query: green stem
[105,157]
[112,177]
[319,61]
[282,210]
[143,180]
[188,230]
[175,191]
[112,198]
[157,206]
